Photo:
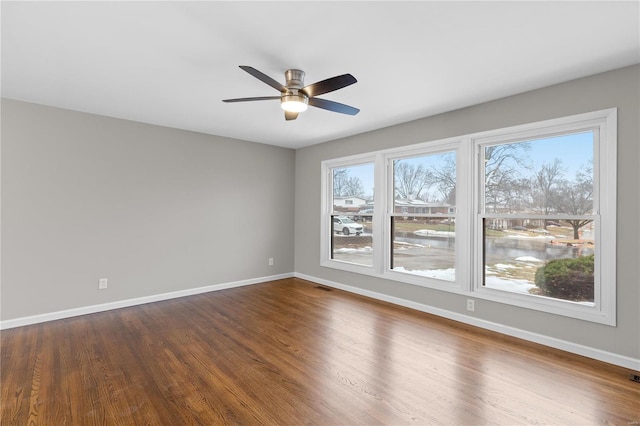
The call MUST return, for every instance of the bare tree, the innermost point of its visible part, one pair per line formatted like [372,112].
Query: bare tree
[576,198]
[345,185]
[514,194]
[545,182]
[353,186]
[339,178]
[502,165]
[444,178]
[410,180]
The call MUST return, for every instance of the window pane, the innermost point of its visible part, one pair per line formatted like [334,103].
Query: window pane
[424,246]
[353,189]
[543,176]
[523,257]
[351,221]
[352,239]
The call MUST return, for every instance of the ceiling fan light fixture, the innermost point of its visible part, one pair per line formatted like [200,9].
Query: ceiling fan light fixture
[294,102]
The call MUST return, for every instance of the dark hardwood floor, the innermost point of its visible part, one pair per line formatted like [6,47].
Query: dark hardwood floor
[292,352]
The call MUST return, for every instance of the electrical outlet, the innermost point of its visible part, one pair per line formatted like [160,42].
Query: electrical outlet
[271,261]
[471,305]
[102,283]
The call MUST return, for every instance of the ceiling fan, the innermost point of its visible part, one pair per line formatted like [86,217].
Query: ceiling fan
[295,96]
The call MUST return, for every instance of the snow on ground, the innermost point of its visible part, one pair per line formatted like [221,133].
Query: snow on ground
[401,245]
[497,283]
[528,259]
[531,237]
[432,233]
[365,249]
[504,266]
[514,286]
[448,274]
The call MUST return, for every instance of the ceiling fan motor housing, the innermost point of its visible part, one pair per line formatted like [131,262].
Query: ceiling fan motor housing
[295,79]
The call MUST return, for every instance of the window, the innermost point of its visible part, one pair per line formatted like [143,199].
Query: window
[538,210]
[350,213]
[545,221]
[522,215]
[422,220]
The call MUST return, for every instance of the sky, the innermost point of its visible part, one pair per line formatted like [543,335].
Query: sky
[574,150]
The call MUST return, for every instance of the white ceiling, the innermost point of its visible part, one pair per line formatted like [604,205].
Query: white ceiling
[171,63]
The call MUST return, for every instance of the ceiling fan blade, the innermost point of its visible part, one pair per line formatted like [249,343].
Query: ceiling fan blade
[260,98]
[290,115]
[264,78]
[329,85]
[333,106]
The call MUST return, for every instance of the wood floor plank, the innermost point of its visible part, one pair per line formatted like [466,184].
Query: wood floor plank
[293,352]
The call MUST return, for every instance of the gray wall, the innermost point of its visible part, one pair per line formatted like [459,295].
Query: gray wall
[618,88]
[158,210]
[152,209]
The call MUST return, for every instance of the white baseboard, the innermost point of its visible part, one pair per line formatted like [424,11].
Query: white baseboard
[589,352]
[34,319]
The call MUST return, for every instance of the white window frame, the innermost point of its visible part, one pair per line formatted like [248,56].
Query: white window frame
[463,240]
[603,125]
[469,242]
[326,225]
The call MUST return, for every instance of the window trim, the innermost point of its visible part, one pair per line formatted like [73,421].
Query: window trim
[603,123]
[468,229]
[458,146]
[326,226]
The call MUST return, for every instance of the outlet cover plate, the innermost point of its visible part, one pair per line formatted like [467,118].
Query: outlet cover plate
[471,305]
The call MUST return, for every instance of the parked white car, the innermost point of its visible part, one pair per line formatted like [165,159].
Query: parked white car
[346,226]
